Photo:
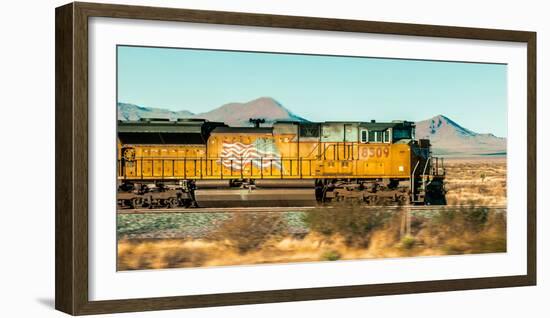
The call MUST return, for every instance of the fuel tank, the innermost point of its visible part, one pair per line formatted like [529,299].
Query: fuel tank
[262,193]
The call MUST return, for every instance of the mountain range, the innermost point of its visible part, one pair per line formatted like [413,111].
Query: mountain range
[447,137]
[450,139]
[133,112]
[233,114]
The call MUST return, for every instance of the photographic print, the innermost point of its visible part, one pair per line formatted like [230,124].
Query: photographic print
[237,158]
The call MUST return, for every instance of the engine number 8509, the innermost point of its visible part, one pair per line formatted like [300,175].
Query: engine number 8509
[374,151]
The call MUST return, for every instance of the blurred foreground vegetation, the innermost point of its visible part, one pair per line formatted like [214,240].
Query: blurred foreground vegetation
[323,234]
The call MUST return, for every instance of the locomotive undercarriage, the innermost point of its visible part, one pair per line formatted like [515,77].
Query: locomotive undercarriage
[153,196]
[273,192]
[370,192]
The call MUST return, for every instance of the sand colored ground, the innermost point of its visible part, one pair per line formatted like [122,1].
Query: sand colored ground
[480,181]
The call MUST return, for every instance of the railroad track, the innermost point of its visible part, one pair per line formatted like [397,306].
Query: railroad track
[288,209]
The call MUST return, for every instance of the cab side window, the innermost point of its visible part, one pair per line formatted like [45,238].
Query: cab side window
[364,136]
[367,136]
[379,136]
[387,136]
[372,136]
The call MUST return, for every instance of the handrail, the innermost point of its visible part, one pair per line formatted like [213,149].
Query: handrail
[439,166]
[412,180]
[185,167]
[424,173]
[149,166]
[426,165]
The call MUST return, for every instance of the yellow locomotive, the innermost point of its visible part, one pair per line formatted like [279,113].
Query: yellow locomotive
[197,163]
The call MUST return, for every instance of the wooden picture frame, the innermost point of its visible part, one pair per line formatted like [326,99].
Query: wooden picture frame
[71,90]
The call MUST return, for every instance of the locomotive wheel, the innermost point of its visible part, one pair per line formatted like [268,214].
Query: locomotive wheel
[403,200]
[134,203]
[173,203]
[146,202]
[372,200]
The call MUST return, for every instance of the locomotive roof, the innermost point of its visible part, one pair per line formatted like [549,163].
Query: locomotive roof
[197,126]
[238,130]
[368,125]
[267,130]
[165,126]
[158,131]
[384,126]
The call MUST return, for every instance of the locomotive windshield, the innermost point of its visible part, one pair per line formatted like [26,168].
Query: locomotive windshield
[379,136]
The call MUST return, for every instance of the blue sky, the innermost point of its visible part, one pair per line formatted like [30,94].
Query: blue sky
[318,88]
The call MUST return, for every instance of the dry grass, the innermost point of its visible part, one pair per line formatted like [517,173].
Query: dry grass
[170,253]
[462,232]
[476,181]
[247,232]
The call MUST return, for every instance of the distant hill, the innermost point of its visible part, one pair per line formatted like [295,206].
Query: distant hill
[233,114]
[238,114]
[134,112]
[449,138]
